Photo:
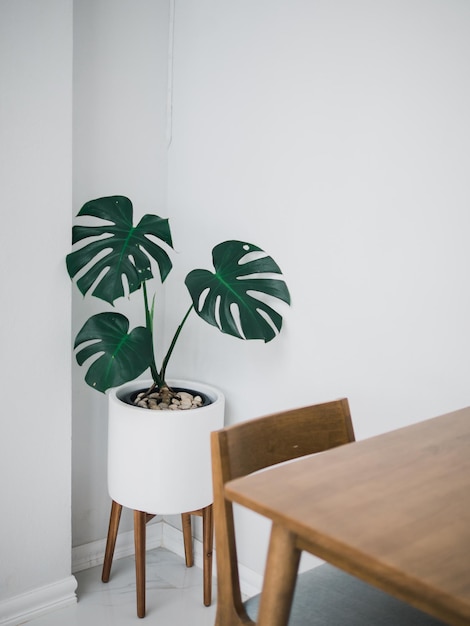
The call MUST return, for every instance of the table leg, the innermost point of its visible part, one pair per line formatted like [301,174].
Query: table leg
[279,578]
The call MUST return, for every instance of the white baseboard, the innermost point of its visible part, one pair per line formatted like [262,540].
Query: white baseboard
[92,554]
[32,604]
[159,535]
[250,581]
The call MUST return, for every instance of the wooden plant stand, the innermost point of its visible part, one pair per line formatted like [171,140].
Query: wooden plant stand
[140,520]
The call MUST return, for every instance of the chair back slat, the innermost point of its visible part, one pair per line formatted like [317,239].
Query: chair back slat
[253,445]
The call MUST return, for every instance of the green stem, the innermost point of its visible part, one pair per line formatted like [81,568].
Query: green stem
[149,324]
[172,345]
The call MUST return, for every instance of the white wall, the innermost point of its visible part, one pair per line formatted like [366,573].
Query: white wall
[120,94]
[36,187]
[335,134]
[332,133]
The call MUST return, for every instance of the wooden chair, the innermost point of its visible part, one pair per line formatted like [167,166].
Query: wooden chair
[140,521]
[325,595]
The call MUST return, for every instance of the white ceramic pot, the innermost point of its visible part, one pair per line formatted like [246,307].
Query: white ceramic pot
[160,461]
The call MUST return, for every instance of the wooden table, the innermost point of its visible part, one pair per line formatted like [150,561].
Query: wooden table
[393,510]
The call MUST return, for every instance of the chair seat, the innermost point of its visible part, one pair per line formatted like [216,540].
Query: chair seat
[327,596]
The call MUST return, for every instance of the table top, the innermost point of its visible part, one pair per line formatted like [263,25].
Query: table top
[393,510]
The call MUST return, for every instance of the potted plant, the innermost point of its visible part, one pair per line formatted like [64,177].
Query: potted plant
[113,258]
[159,460]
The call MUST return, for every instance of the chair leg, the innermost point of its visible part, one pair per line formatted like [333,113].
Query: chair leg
[208,540]
[140,520]
[188,539]
[114,520]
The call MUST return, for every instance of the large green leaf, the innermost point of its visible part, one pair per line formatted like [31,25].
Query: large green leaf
[117,248]
[122,356]
[237,277]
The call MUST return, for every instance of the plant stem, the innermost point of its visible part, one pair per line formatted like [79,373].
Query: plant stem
[149,324]
[172,345]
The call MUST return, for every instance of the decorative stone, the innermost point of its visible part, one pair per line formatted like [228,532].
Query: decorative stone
[184,395]
[176,401]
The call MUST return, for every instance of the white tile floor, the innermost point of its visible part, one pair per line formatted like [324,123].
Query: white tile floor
[174,596]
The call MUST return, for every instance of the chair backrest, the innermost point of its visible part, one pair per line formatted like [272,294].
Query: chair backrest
[252,445]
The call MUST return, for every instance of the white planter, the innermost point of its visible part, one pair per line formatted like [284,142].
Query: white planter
[160,461]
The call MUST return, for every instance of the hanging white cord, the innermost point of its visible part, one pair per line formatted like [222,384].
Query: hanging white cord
[169,97]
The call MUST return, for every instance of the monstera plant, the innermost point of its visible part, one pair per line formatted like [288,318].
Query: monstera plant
[112,258]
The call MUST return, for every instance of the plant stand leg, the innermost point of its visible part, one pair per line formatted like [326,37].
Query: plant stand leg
[208,540]
[114,520]
[207,546]
[188,539]
[140,520]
